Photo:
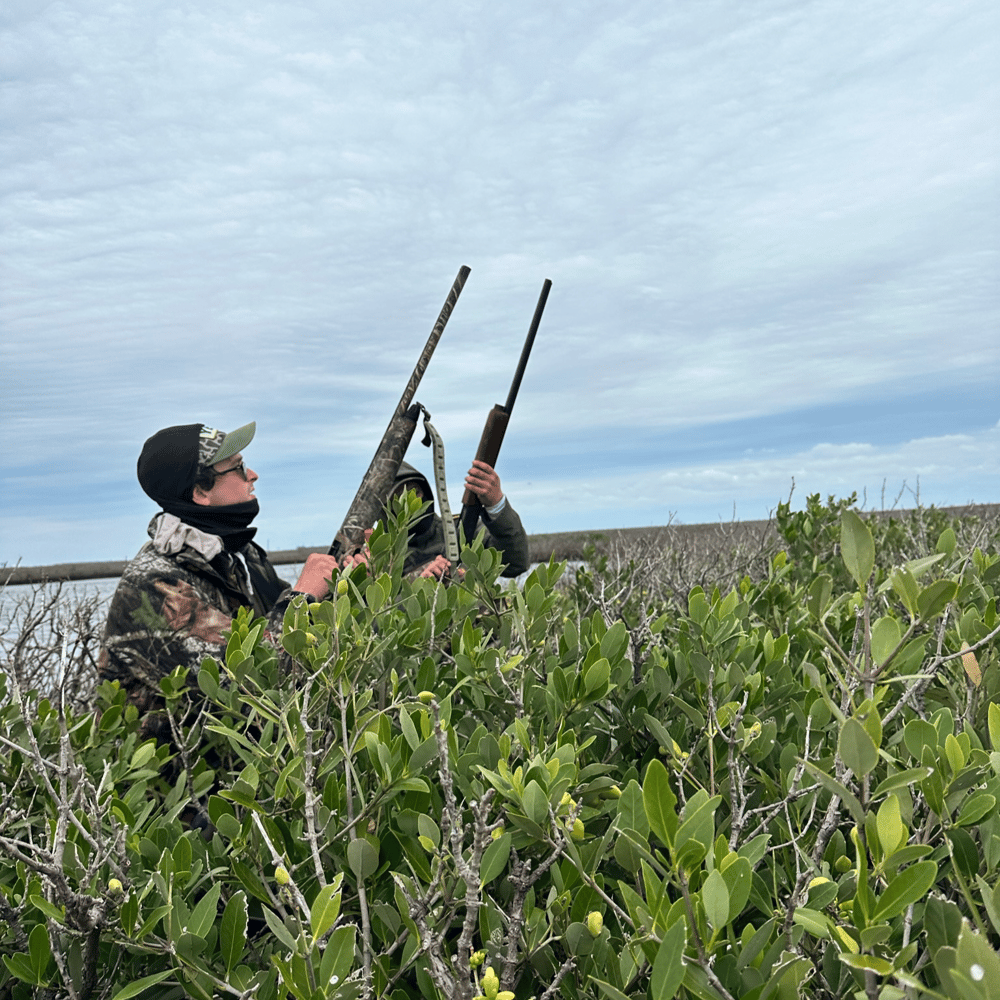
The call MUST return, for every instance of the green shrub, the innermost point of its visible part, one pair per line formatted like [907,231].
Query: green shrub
[574,790]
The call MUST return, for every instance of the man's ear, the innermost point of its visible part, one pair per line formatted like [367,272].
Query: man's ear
[200,497]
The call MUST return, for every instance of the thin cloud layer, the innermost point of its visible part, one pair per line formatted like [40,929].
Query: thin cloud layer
[254,211]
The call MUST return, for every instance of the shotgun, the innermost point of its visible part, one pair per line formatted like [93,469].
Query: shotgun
[369,502]
[497,420]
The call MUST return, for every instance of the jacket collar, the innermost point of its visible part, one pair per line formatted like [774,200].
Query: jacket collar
[170,534]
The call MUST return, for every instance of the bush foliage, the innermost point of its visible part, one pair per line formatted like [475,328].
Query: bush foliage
[579,787]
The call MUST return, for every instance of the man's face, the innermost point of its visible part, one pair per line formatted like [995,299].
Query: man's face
[233,484]
[413,484]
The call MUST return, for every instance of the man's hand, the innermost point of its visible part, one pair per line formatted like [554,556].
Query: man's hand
[320,568]
[436,568]
[316,574]
[485,483]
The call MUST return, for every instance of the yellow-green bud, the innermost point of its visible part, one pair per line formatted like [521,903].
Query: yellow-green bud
[426,697]
[497,833]
[341,587]
[477,958]
[315,606]
[614,792]
[491,983]
[843,864]
[281,875]
[578,831]
[566,799]
[312,637]
[595,923]
[115,886]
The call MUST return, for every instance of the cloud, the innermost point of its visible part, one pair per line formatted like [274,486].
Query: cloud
[230,212]
[944,470]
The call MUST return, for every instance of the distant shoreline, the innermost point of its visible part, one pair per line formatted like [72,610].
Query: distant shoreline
[562,545]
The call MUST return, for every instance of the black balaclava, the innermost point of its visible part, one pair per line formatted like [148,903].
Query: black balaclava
[167,470]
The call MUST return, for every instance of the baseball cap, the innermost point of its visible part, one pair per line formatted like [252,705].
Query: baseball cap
[214,446]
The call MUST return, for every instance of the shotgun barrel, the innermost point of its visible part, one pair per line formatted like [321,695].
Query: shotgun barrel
[497,420]
[369,502]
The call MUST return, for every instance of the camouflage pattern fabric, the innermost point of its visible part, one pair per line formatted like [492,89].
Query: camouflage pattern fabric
[173,602]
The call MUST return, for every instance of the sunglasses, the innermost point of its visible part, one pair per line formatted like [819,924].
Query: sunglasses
[241,469]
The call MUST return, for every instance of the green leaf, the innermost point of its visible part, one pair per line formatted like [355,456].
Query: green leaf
[536,803]
[495,858]
[977,966]
[53,912]
[39,951]
[324,910]
[142,755]
[920,566]
[614,641]
[819,595]
[738,877]
[917,734]
[578,940]
[134,989]
[608,990]
[278,928]
[856,748]
[946,542]
[975,808]
[884,638]
[866,962]
[204,914]
[19,965]
[423,754]
[406,724]
[426,827]
[906,588]
[907,887]
[715,899]
[901,780]
[965,851]
[597,675]
[338,956]
[994,723]
[668,966]
[233,930]
[991,900]
[813,921]
[697,825]
[631,811]
[363,858]
[857,547]
[891,832]
[935,598]
[660,802]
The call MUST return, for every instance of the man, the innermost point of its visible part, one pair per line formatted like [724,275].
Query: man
[504,530]
[181,591]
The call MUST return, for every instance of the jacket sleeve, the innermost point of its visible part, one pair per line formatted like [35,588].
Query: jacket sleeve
[506,533]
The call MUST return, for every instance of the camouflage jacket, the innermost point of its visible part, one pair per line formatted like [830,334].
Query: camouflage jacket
[173,602]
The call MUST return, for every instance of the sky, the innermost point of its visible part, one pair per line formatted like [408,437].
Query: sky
[771,228]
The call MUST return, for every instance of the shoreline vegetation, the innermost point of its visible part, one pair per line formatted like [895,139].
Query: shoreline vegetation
[754,761]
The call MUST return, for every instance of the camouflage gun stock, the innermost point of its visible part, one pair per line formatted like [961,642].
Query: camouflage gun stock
[369,502]
[497,420]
